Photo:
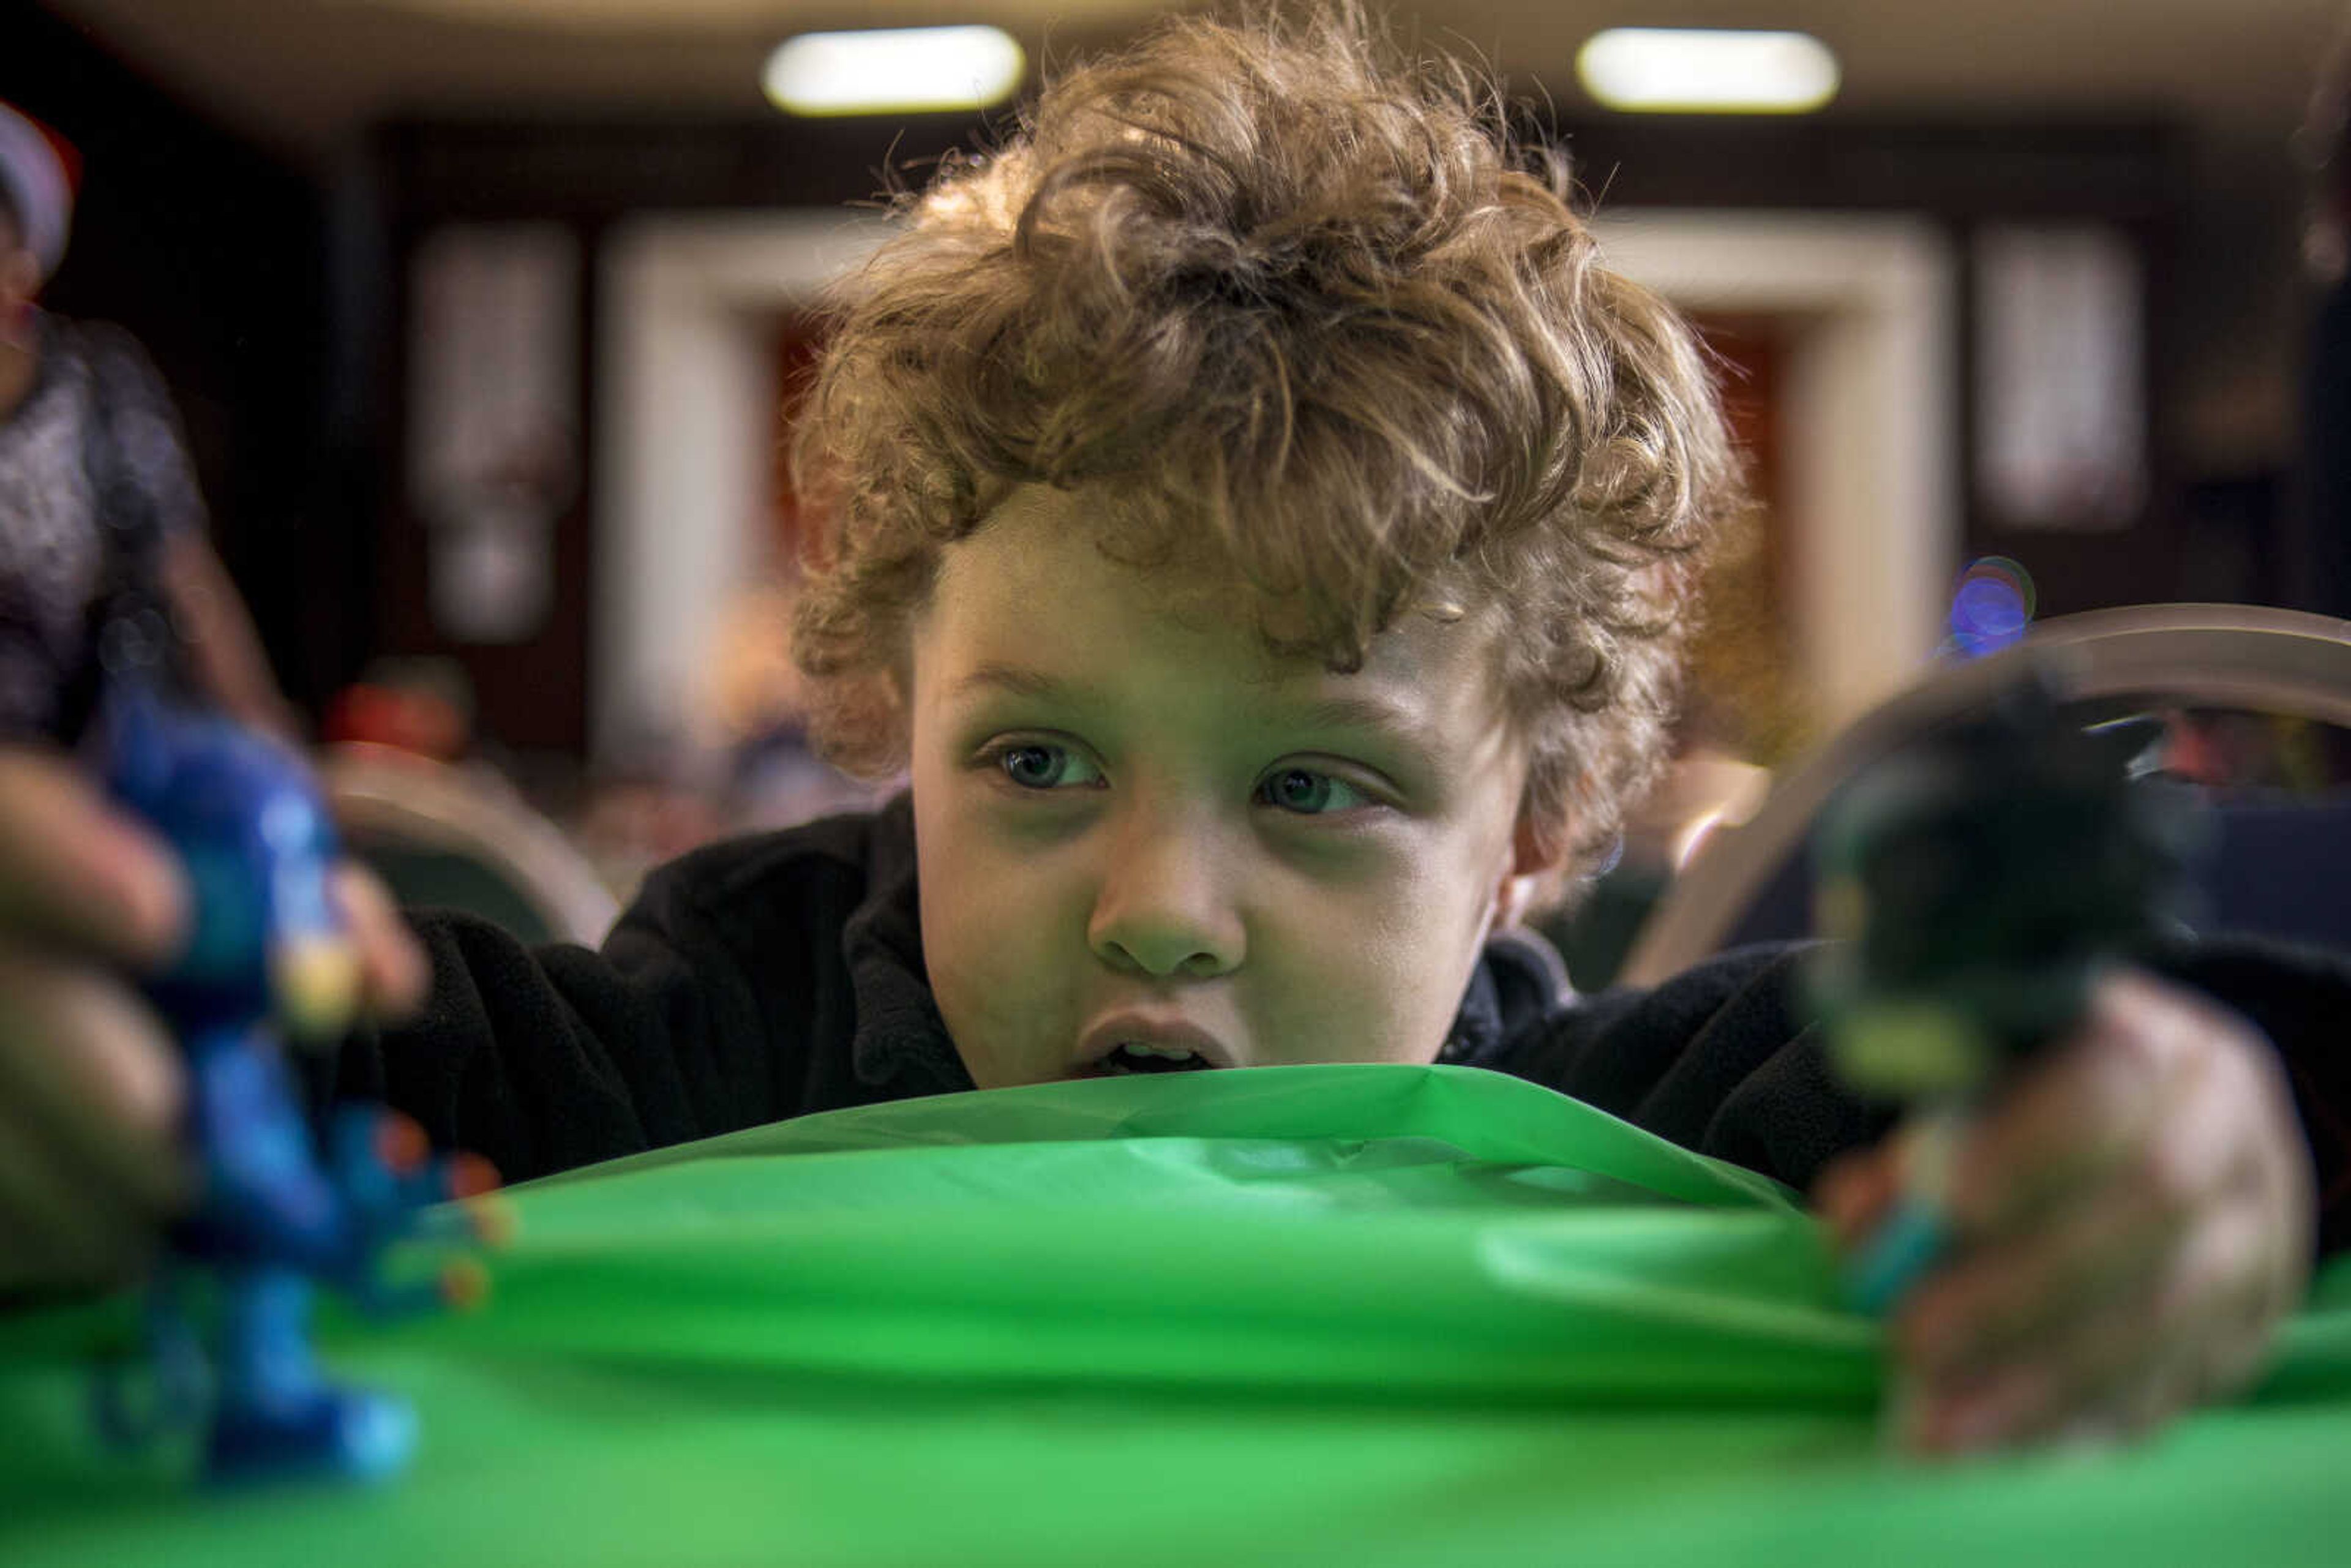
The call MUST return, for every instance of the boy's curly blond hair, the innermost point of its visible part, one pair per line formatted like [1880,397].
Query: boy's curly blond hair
[1285,298]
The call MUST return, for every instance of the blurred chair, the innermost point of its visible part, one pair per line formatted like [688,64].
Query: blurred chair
[439,837]
[2274,870]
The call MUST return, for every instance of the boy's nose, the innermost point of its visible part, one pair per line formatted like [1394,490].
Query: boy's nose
[1164,906]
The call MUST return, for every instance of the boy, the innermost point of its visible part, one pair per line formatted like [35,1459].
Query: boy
[1264,531]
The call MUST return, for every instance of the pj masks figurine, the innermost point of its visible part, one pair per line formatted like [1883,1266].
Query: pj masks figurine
[278,1208]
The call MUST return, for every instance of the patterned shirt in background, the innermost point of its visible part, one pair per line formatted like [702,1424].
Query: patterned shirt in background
[55,549]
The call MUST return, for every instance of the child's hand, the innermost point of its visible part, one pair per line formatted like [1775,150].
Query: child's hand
[2131,1224]
[91,1090]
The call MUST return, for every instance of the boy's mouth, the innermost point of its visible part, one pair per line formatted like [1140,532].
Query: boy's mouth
[1139,1058]
[1131,1044]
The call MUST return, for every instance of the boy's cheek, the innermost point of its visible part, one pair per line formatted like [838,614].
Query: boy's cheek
[997,1009]
[1003,969]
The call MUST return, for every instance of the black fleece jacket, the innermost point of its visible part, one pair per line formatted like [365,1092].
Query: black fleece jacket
[770,977]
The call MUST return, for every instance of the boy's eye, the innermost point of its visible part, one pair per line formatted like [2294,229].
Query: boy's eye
[1035,766]
[1310,793]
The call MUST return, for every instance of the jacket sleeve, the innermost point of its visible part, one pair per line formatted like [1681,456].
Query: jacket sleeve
[1716,1060]
[692,1020]
[1722,1059]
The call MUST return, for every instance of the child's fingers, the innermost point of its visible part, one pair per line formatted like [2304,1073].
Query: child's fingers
[89,1088]
[2193,1329]
[2133,1410]
[1855,1192]
[2090,1108]
[84,1059]
[74,872]
[1979,1310]
[2161,1286]
[90,1165]
[2133,1224]
[2196,1158]
[58,1227]
[392,971]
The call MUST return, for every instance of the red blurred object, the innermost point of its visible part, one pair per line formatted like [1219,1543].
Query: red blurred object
[464,1284]
[402,717]
[471,1175]
[400,1145]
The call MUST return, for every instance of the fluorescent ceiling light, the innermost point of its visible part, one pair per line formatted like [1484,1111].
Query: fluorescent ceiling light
[895,70]
[1702,70]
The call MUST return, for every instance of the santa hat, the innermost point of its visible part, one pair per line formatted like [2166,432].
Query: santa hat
[38,172]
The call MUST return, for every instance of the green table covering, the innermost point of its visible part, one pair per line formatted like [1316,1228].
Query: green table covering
[1360,1315]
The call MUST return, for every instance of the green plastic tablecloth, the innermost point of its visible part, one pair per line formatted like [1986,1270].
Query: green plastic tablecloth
[1361,1315]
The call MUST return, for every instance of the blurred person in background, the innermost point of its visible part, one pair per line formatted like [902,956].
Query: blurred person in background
[97,494]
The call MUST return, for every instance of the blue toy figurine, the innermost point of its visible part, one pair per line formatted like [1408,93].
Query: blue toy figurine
[277,1211]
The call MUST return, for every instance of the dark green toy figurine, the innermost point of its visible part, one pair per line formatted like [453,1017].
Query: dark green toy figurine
[1974,883]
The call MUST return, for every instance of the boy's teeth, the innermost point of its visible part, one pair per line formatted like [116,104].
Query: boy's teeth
[1128,1056]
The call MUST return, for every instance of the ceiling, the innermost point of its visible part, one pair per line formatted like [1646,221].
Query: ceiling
[305,75]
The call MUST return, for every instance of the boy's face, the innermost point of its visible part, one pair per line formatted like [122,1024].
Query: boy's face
[1136,827]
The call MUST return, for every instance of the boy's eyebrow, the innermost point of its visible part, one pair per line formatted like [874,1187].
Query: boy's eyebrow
[1385,719]
[1366,712]
[1014,679]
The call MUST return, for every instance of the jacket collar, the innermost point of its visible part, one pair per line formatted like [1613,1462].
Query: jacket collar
[901,1046]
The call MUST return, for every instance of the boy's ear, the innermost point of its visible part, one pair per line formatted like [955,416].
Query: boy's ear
[1534,853]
